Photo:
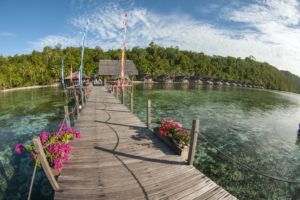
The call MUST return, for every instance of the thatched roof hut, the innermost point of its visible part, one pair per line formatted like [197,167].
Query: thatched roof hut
[75,76]
[113,68]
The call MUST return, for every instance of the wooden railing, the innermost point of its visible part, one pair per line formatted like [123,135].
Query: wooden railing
[194,131]
[38,145]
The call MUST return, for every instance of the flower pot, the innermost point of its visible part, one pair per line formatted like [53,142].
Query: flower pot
[183,151]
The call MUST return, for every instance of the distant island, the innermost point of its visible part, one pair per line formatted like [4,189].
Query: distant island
[42,68]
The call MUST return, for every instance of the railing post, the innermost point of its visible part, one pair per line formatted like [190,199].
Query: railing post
[123,95]
[149,114]
[131,102]
[66,93]
[193,141]
[82,98]
[117,93]
[77,106]
[85,94]
[67,116]
[42,157]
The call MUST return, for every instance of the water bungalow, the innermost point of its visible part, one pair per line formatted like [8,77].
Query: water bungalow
[146,79]
[196,80]
[181,79]
[73,79]
[164,79]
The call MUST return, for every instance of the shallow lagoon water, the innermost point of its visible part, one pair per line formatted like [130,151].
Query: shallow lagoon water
[23,114]
[248,137]
[257,128]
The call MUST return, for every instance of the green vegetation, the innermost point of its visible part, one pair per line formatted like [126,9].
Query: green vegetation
[44,67]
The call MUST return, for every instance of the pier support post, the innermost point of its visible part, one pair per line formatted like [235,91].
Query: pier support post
[131,102]
[193,141]
[149,114]
[67,116]
[77,106]
[42,157]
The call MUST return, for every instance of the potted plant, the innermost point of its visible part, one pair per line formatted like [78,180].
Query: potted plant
[173,135]
[55,145]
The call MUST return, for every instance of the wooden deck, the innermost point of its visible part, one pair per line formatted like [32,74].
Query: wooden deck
[118,158]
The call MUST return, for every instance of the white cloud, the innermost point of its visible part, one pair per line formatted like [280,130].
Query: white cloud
[7,34]
[269,32]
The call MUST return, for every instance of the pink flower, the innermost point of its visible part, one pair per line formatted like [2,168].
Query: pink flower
[19,148]
[44,136]
[58,164]
[77,134]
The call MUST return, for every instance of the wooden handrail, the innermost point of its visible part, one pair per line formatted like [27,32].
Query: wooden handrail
[42,157]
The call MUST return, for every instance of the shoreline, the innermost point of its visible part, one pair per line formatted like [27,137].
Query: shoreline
[29,87]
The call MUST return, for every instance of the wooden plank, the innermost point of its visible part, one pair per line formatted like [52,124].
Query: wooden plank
[117,157]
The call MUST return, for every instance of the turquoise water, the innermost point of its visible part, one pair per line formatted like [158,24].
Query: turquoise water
[258,128]
[255,128]
[24,114]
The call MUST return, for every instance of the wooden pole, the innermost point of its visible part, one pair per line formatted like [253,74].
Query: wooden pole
[82,98]
[85,93]
[42,157]
[123,95]
[66,96]
[117,93]
[149,114]
[193,141]
[67,116]
[77,106]
[131,102]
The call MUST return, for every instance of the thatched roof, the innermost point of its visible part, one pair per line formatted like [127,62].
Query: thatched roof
[113,68]
[75,76]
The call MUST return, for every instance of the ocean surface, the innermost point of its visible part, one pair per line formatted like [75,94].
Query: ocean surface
[248,140]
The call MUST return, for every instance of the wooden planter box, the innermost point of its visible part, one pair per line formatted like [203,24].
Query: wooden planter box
[182,151]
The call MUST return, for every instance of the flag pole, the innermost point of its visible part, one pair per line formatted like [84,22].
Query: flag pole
[62,73]
[123,51]
[82,53]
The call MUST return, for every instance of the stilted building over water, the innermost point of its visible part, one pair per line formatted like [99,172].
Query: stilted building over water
[111,69]
[74,80]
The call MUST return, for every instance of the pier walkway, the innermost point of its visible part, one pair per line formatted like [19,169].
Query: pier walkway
[117,157]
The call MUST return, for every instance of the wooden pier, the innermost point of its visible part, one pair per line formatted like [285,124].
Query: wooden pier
[117,157]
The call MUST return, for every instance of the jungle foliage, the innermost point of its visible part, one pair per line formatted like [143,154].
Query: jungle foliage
[44,67]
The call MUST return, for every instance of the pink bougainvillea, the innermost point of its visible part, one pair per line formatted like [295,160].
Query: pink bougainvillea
[56,146]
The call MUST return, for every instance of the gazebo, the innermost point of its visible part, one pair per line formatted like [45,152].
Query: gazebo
[112,69]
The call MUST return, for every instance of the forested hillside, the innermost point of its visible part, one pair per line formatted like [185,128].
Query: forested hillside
[44,67]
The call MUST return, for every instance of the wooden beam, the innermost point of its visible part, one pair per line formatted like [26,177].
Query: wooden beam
[67,116]
[149,114]
[193,141]
[131,102]
[42,157]
[77,106]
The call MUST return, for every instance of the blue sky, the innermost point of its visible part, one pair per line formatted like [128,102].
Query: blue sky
[266,29]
